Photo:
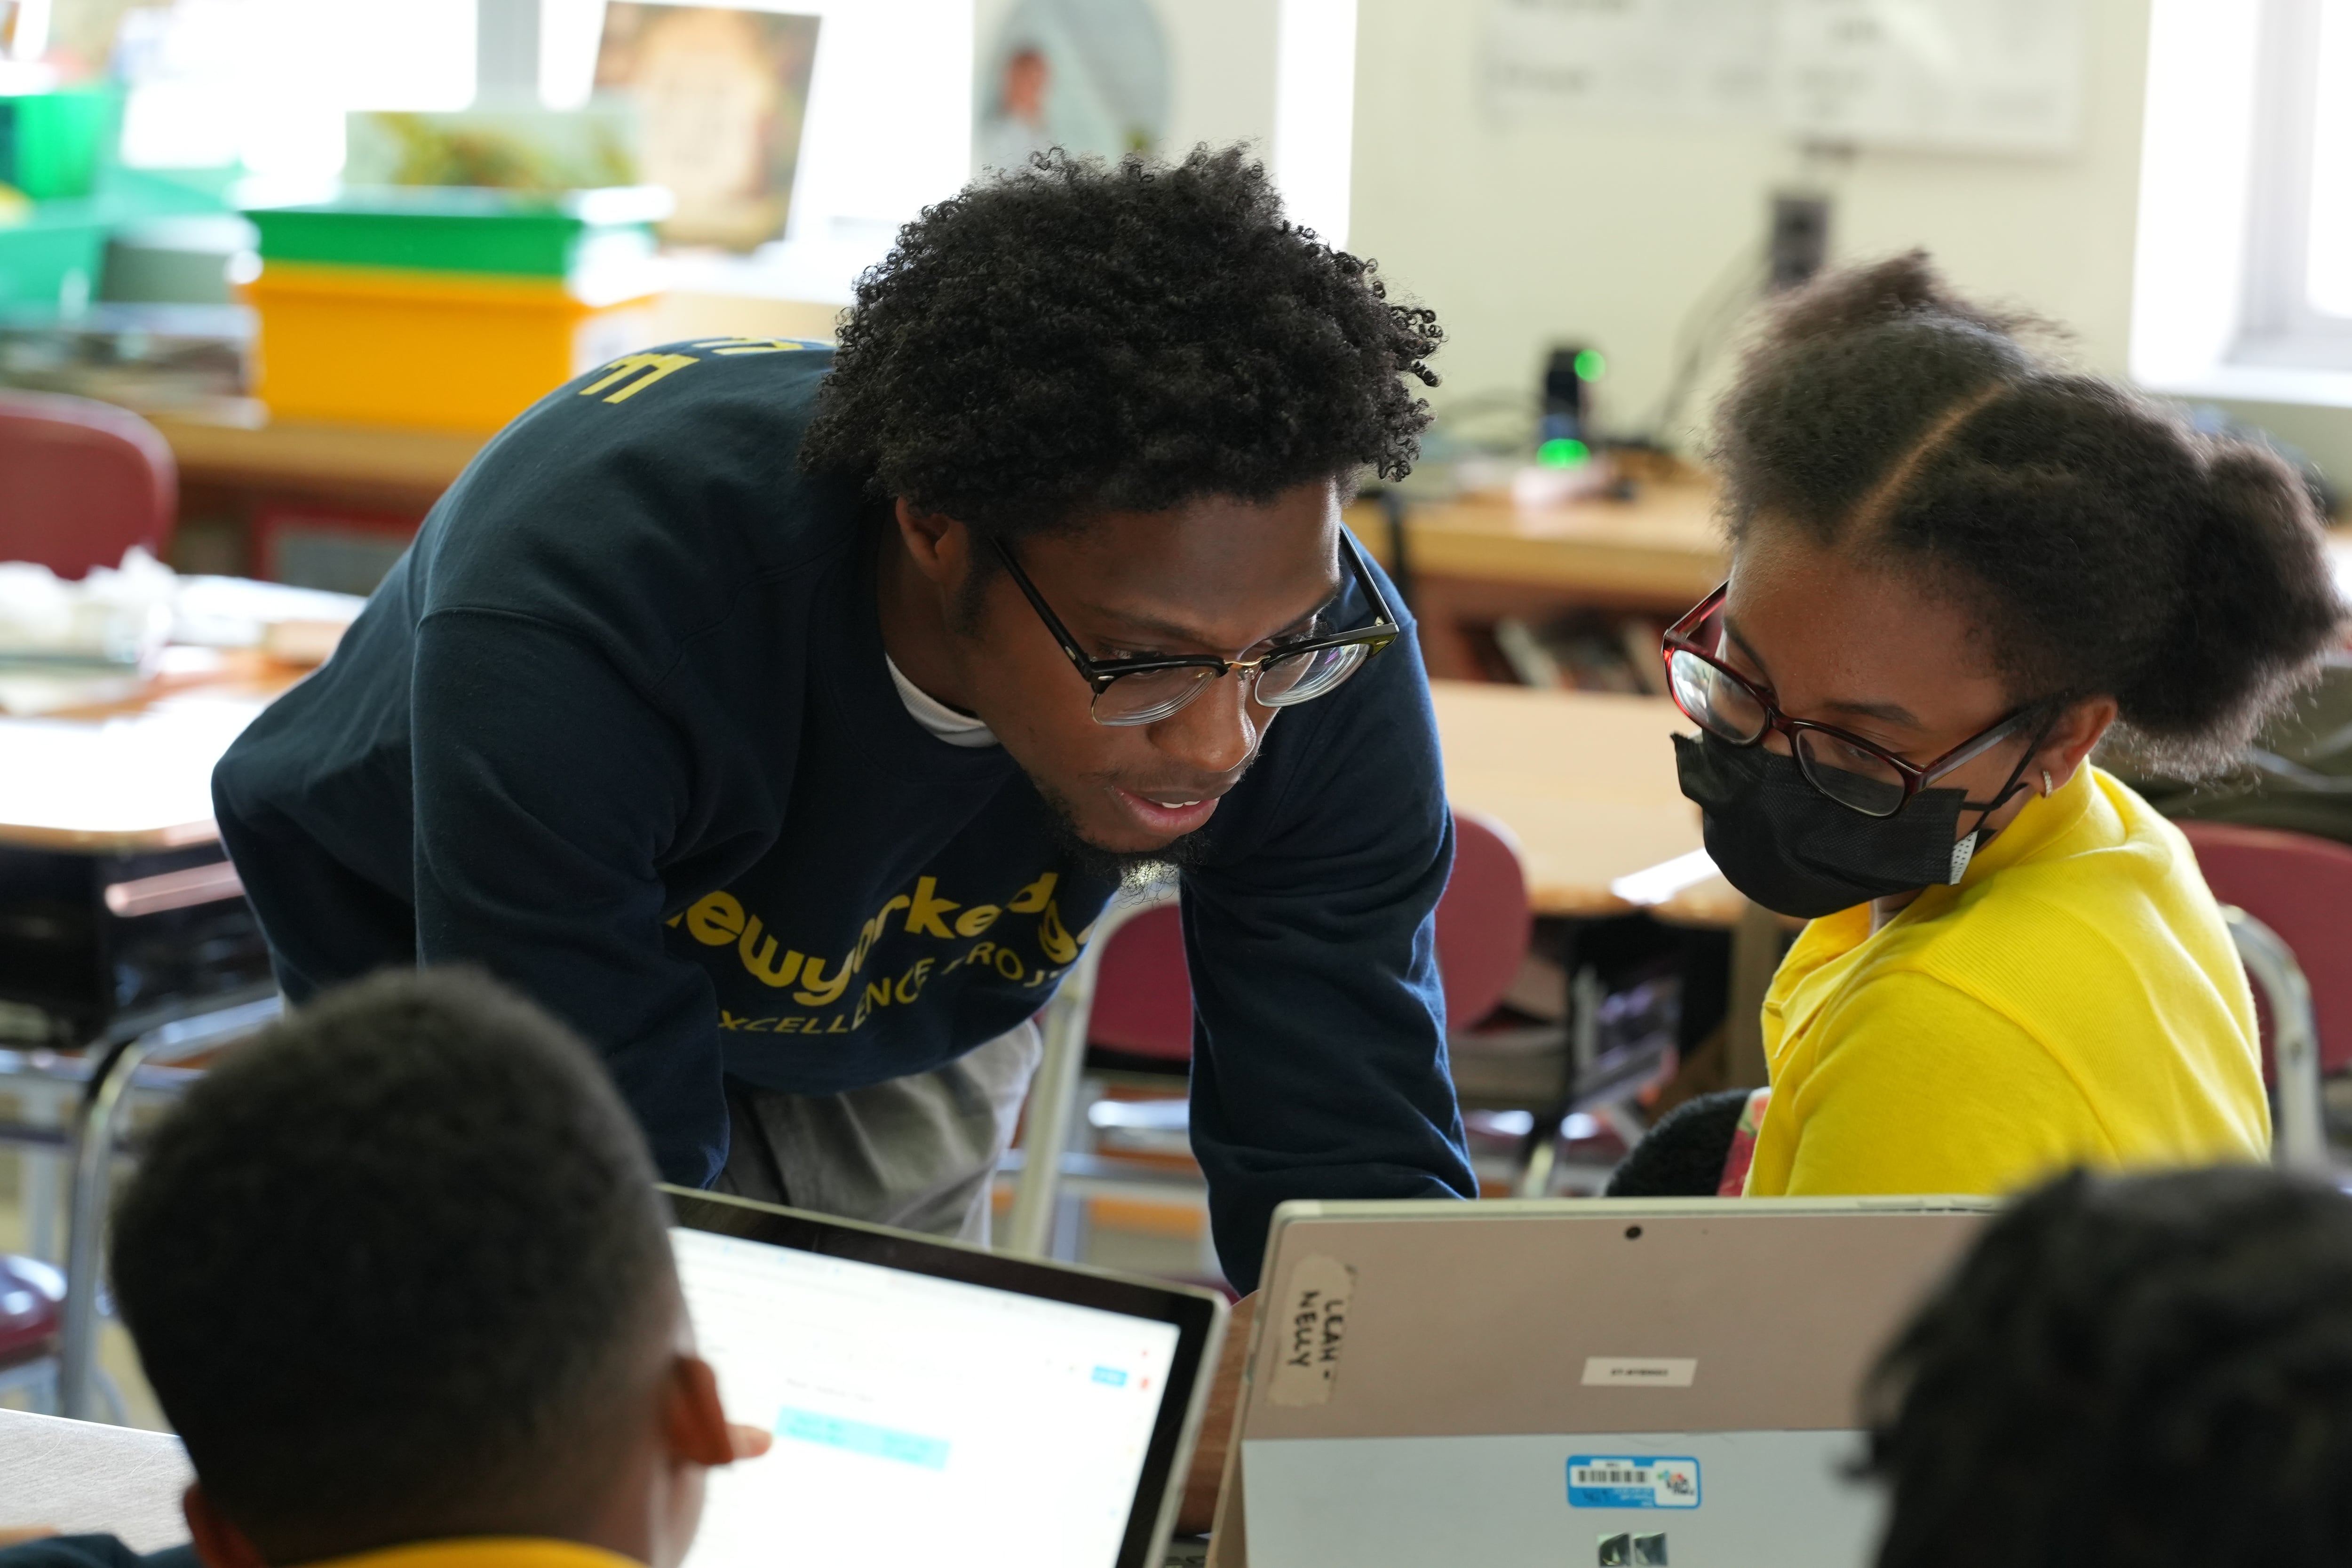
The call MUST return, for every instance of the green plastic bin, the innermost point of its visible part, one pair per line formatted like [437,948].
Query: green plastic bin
[51,142]
[456,229]
[51,260]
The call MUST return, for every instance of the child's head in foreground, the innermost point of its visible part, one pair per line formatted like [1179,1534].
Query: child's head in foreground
[2148,1371]
[397,1272]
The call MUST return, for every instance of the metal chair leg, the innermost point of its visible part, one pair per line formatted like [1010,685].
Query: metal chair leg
[93,1170]
[1053,1093]
[2301,1136]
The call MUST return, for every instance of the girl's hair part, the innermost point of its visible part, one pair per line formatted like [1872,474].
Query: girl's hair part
[2102,546]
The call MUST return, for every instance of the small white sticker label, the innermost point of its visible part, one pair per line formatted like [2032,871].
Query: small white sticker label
[1313,1326]
[1639,1370]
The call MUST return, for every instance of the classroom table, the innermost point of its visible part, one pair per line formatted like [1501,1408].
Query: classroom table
[1585,782]
[235,446]
[1661,543]
[131,778]
[136,776]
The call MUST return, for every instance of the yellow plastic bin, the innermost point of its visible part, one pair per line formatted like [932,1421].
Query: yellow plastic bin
[446,351]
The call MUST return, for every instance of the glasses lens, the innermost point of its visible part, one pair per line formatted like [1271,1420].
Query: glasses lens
[1713,699]
[1302,678]
[1850,775]
[1149,696]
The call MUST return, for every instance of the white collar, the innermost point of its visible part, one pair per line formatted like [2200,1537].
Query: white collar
[956,728]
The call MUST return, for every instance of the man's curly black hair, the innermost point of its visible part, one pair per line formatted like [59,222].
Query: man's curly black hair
[1079,337]
[2154,1371]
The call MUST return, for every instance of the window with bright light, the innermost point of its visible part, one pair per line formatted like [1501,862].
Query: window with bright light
[2243,281]
[2328,269]
[267,82]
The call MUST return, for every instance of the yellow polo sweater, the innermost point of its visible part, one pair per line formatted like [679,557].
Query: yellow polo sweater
[2074,1000]
[487,1552]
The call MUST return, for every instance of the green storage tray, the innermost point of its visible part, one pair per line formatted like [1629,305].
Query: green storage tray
[41,256]
[52,143]
[457,229]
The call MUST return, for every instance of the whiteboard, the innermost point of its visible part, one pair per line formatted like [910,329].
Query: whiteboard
[1703,61]
[1986,75]
[1961,76]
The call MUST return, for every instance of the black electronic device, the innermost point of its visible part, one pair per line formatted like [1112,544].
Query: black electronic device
[1800,242]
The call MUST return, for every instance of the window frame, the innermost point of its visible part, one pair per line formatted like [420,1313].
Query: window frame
[2221,305]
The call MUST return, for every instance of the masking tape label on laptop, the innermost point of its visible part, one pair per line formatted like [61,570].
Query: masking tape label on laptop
[1639,1371]
[1632,1481]
[1310,1330]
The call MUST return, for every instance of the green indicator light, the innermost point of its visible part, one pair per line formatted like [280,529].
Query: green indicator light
[1563,453]
[1590,365]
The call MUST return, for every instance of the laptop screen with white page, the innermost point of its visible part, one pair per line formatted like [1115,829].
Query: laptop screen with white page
[931,1402]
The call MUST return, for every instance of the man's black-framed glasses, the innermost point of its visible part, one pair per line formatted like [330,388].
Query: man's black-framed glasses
[1858,774]
[1146,691]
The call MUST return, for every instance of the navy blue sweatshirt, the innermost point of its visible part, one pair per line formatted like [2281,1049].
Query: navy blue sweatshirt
[619,729]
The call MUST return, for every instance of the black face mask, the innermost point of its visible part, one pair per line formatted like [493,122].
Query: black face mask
[1792,849]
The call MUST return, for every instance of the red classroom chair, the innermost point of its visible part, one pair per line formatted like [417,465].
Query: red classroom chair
[80,482]
[1138,1002]
[2300,887]
[2289,899]
[1143,995]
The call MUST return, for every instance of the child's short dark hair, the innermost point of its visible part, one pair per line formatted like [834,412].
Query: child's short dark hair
[2151,1371]
[382,1264]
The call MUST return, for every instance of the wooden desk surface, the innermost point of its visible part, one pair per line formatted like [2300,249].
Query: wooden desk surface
[136,776]
[240,447]
[1586,782]
[1663,546]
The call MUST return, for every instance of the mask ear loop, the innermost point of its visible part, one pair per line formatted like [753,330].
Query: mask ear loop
[2016,775]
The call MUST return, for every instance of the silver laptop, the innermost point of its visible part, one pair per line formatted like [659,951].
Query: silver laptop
[933,1403]
[1582,1383]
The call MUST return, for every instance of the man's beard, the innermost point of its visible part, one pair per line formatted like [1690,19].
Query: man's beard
[1129,871]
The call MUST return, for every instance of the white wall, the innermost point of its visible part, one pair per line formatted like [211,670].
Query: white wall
[1605,234]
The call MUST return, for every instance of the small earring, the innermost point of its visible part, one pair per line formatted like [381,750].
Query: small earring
[2045,784]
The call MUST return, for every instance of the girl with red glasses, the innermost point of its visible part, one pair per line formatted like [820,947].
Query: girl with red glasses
[1957,568]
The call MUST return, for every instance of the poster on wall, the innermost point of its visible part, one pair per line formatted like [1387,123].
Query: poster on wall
[1091,76]
[720,94]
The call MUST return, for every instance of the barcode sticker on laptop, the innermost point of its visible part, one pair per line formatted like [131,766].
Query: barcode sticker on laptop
[1632,1481]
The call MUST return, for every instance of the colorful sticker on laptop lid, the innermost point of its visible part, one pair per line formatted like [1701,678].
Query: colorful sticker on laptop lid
[1632,1481]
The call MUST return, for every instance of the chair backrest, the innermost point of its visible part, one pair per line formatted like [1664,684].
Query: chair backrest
[80,482]
[1143,998]
[2301,888]
[1484,923]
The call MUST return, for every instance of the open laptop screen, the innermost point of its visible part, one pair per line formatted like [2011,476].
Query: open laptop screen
[931,1402]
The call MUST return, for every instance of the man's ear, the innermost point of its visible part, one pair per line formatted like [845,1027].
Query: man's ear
[693,1420]
[2078,728]
[940,546]
[220,1543]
